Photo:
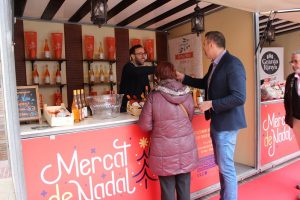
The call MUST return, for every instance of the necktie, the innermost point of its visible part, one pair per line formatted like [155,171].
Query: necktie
[297,76]
[209,78]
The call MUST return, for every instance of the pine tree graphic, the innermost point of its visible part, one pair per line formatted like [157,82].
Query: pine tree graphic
[144,158]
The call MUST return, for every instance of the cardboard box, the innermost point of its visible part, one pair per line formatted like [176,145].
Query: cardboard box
[57,120]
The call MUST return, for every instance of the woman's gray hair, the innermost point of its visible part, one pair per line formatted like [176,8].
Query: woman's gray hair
[296,52]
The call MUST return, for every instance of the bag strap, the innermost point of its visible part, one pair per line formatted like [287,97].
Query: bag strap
[184,110]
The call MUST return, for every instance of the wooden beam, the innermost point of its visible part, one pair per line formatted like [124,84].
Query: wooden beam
[287,27]
[81,12]
[118,8]
[177,9]
[287,31]
[206,10]
[276,25]
[19,7]
[51,9]
[122,50]
[143,12]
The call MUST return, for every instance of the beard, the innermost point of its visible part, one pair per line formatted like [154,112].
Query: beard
[139,62]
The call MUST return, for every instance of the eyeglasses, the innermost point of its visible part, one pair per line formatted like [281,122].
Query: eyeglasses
[294,61]
[141,54]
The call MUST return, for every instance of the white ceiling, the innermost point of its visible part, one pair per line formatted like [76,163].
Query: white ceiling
[259,5]
[35,8]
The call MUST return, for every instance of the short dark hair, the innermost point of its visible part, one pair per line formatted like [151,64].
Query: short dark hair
[165,70]
[133,48]
[217,37]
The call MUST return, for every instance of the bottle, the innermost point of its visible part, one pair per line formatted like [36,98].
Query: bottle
[35,75]
[97,74]
[75,109]
[47,75]
[41,98]
[46,50]
[92,76]
[84,105]
[100,51]
[106,76]
[102,78]
[111,75]
[57,98]
[81,116]
[58,76]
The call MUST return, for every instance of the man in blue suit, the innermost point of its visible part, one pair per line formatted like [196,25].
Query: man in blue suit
[225,95]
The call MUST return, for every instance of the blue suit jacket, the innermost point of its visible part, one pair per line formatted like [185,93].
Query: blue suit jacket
[227,91]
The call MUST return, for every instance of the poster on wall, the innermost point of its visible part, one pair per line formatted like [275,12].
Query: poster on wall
[108,163]
[277,138]
[271,64]
[185,53]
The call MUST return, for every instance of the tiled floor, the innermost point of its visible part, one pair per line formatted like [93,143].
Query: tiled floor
[6,183]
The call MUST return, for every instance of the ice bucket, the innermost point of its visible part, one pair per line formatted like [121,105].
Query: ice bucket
[105,106]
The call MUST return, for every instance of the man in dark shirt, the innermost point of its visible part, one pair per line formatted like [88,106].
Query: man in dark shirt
[292,99]
[134,75]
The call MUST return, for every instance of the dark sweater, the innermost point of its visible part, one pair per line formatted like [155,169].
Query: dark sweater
[133,81]
[291,100]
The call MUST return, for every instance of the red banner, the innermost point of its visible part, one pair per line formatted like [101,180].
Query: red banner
[277,138]
[184,55]
[207,173]
[108,163]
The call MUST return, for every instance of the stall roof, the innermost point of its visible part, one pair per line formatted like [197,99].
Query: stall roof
[159,15]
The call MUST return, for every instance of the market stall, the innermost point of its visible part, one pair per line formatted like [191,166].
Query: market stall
[61,162]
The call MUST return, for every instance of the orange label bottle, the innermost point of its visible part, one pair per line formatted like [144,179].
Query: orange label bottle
[47,75]
[46,50]
[111,75]
[102,78]
[92,76]
[75,108]
[35,75]
[100,51]
[58,76]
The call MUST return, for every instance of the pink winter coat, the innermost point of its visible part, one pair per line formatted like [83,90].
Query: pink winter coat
[173,148]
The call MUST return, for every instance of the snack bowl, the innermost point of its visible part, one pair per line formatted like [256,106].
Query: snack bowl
[105,106]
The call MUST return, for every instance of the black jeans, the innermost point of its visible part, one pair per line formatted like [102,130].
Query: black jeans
[180,182]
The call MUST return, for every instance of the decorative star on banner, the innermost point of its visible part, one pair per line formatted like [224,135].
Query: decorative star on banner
[143,142]
[44,193]
[93,150]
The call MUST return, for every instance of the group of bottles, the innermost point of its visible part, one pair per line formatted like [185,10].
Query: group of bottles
[80,108]
[100,76]
[47,77]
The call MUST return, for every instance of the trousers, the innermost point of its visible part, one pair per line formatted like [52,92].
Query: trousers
[179,183]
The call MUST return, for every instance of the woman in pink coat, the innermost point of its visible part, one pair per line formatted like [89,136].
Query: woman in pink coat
[167,116]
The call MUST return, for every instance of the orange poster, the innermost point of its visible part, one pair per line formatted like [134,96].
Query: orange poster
[277,139]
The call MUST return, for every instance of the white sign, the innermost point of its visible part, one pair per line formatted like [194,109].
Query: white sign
[185,53]
[271,63]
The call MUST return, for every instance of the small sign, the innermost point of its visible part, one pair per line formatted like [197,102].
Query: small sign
[271,63]
[28,103]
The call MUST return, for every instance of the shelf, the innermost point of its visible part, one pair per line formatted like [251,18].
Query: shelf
[60,61]
[51,85]
[99,60]
[44,59]
[105,83]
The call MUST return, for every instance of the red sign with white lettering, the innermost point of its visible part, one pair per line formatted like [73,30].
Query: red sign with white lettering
[107,163]
[277,138]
